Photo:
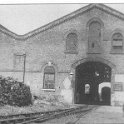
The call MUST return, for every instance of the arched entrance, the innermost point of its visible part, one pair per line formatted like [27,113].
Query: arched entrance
[105,95]
[88,76]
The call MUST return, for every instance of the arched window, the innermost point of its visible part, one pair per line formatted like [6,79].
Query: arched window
[94,36]
[49,78]
[117,41]
[71,43]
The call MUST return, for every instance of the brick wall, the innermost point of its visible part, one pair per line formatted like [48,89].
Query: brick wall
[50,46]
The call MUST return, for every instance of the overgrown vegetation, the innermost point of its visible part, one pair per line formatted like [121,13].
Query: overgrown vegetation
[14,93]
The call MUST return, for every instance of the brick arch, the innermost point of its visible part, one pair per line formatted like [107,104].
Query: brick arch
[94,59]
[116,31]
[52,64]
[95,19]
[70,31]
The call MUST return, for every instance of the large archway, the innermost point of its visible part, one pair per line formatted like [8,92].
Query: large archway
[88,76]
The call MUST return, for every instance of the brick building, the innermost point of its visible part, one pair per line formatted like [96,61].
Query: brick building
[84,48]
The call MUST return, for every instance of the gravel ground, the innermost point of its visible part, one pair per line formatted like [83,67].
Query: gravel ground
[102,115]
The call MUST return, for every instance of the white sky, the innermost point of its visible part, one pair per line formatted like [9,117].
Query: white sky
[22,19]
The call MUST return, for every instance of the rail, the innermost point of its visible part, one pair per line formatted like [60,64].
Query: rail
[44,116]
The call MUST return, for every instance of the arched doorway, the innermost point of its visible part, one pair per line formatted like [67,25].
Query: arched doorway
[87,79]
[105,95]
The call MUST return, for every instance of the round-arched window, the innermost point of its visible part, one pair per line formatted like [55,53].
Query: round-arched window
[71,42]
[49,78]
[94,36]
[117,41]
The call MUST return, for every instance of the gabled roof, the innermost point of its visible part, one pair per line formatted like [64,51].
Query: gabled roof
[64,19]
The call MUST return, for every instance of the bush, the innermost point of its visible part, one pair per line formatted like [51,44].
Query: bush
[13,92]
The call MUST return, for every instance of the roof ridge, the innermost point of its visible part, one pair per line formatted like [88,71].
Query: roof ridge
[114,11]
[35,31]
[63,19]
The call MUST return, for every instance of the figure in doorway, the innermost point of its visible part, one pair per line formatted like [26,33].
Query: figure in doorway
[87,94]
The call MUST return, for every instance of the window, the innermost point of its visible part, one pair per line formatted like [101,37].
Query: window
[117,41]
[94,37]
[19,61]
[71,43]
[49,78]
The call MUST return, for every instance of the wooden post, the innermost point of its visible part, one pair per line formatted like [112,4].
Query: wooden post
[24,68]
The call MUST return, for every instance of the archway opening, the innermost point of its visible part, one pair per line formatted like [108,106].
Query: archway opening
[89,76]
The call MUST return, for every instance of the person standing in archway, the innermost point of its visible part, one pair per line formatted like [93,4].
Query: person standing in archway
[87,94]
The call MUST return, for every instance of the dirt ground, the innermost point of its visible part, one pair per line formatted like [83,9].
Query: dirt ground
[102,115]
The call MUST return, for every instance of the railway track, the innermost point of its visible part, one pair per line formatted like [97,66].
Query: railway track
[44,116]
[79,111]
[23,117]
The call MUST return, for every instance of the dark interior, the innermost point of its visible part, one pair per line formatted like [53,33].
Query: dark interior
[88,77]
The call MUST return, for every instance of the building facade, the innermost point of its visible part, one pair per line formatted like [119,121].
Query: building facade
[85,47]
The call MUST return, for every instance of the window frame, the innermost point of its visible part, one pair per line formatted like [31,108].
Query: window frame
[92,45]
[117,49]
[94,19]
[19,57]
[71,51]
[119,40]
[44,81]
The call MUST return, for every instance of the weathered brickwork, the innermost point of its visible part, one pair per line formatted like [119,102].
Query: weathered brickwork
[50,45]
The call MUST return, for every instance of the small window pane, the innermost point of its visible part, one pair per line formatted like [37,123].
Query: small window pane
[117,47]
[49,77]
[117,37]
[117,43]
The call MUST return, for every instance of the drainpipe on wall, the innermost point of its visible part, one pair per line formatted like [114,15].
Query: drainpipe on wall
[24,68]
[71,79]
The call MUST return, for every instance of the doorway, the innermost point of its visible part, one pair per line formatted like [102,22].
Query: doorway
[88,77]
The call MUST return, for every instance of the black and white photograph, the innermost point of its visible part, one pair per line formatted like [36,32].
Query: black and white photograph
[62,63]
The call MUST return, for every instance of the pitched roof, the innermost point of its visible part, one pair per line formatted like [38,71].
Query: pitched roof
[63,19]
